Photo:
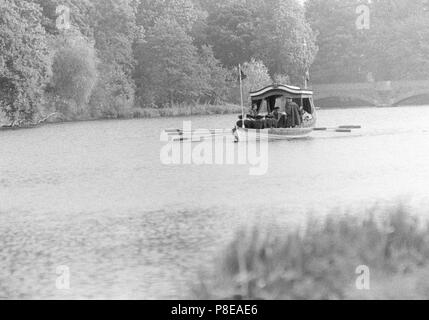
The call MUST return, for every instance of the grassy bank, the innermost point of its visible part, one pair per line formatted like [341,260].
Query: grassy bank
[138,113]
[186,110]
[320,261]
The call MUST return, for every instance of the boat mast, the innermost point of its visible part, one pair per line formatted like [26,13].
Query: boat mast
[241,96]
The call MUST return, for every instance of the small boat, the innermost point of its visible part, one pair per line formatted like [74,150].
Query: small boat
[267,121]
[299,120]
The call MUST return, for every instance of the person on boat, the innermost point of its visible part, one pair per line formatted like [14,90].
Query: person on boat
[253,111]
[305,116]
[249,121]
[259,122]
[270,121]
[293,115]
[279,118]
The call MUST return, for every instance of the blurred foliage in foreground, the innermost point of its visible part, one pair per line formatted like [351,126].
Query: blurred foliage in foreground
[320,261]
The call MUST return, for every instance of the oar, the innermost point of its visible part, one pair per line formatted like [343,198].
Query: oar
[198,130]
[339,129]
[350,127]
[194,139]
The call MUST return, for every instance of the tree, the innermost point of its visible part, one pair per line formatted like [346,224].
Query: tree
[273,31]
[114,25]
[342,47]
[257,76]
[231,31]
[284,40]
[397,44]
[24,59]
[111,26]
[79,14]
[183,11]
[74,74]
[169,68]
[113,97]
[216,78]
[393,48]
[114,30]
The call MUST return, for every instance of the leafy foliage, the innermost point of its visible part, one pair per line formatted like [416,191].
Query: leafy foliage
[113,97]
[24,59]
[169,64]
[216,78]
[273,31]
[80,15]
[392,49]
[115,31]
[183,11]
[257,76]
[319,261]
[74,73]
[173,52]
[231,30]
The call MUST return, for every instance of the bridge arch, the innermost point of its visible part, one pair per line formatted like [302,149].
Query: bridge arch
[382,93]
[405,96]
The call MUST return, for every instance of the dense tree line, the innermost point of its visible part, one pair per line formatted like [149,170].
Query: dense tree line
[394,46]
[118,56]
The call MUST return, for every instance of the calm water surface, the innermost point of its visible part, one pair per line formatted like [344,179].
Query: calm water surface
[95,197]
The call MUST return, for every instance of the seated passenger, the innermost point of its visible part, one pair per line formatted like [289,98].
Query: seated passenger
[270,122]
[253,111]
[248,122]
[306,117]
[276,113]
[259,123]
[279,118]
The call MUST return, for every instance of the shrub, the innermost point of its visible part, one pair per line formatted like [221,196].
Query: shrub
[282,79]
[172,73]
[257,77]
[319,262]
[24,60]
[113,97]
[74,74]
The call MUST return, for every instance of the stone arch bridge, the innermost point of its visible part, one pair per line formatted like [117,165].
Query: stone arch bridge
[386,93]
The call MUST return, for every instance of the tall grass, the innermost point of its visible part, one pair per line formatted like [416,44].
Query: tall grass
[138,113]
[319,261]
[186,110]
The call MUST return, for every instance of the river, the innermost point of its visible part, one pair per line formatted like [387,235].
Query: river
[96,198]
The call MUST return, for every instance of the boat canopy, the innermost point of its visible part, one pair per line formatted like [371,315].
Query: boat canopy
[278,90]
[271,93]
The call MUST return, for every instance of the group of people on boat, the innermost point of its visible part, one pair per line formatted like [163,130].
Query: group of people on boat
[292,117]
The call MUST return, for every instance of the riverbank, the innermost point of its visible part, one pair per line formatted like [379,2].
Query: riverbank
[141,113]
[333,259]
[185,111]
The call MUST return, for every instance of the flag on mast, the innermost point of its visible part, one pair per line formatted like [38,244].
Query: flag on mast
[307,78]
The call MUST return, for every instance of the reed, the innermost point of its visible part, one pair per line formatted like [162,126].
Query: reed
[186,110]
[320,260]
